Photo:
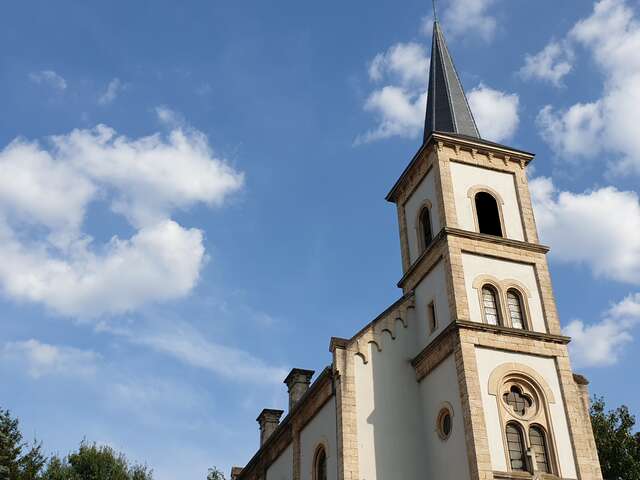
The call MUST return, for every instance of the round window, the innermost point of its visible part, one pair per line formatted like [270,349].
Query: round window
[445,423]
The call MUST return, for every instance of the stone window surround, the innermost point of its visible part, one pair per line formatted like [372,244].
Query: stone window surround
[471,194]
[502,287]
[533,385]
[444,409]
[321,447]
[419,230]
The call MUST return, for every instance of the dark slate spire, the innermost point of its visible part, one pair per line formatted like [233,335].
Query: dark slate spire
[447,106]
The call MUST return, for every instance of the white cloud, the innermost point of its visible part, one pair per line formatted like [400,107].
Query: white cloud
[399,106]
[50,259]
[608,124]
[400,112]
[407,61]
[551,64]
[153,175]
[158,263]
[182,342]
[600,344]
[42,359]
[598,228]
[574,132]
[50,78]
[470,17]
[193,349]
[495,112]
[114,88]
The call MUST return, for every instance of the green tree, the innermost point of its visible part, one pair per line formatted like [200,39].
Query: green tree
[618,446]
[215,474]
[18,461]
[94,462]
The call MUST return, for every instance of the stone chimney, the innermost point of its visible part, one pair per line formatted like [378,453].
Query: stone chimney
[268,420]
[298,382]
[583,387]
[235,472]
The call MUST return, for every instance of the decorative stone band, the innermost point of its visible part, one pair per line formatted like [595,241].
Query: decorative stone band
[524,476]
[428,257]
[443,345]
[479,150]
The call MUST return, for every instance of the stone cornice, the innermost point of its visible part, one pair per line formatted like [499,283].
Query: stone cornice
[433,354]
[524,476]
[513,332]
[456,232]
[443,345]
[532,247]
[507,154]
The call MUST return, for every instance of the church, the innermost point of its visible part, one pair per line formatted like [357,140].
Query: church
[467,375]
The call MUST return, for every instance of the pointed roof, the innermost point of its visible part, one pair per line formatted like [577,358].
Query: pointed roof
[447,106]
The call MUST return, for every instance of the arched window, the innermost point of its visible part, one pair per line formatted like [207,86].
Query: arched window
[517,401]
[320,465]
[490,305]
[426,233]
[523,401]
[516,313]
[538,441]
[515,443]
[488,214]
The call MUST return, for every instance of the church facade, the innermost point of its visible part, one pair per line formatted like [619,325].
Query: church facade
[467,375]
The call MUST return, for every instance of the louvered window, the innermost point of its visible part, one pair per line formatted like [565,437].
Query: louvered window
[539,446]
[490,304]
[514,302]
[515,443]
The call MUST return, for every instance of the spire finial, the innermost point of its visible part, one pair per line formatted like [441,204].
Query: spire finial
[435,11]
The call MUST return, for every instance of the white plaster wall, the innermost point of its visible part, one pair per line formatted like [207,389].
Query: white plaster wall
[488,361]
[426,191]
[465,177]
[433,288]
[320,430]
[476,265]
[390,432]
[444,459]
[282,468]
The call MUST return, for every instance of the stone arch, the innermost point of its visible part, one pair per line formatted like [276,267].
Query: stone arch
[505,370]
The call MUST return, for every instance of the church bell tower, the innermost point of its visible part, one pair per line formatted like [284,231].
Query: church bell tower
[482,294]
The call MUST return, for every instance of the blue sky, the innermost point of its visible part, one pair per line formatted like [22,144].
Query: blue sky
[192,197]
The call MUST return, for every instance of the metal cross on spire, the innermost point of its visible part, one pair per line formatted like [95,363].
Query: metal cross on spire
[435,11]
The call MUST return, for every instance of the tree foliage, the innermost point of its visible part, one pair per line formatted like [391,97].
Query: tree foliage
[95,462]
[215,474]
[18,460]
[618,445]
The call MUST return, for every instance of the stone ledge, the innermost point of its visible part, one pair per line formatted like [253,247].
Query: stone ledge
[524,476]
[513,332]
[459,233]
[470,144]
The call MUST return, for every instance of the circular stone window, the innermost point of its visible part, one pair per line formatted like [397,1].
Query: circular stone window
[445,423]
